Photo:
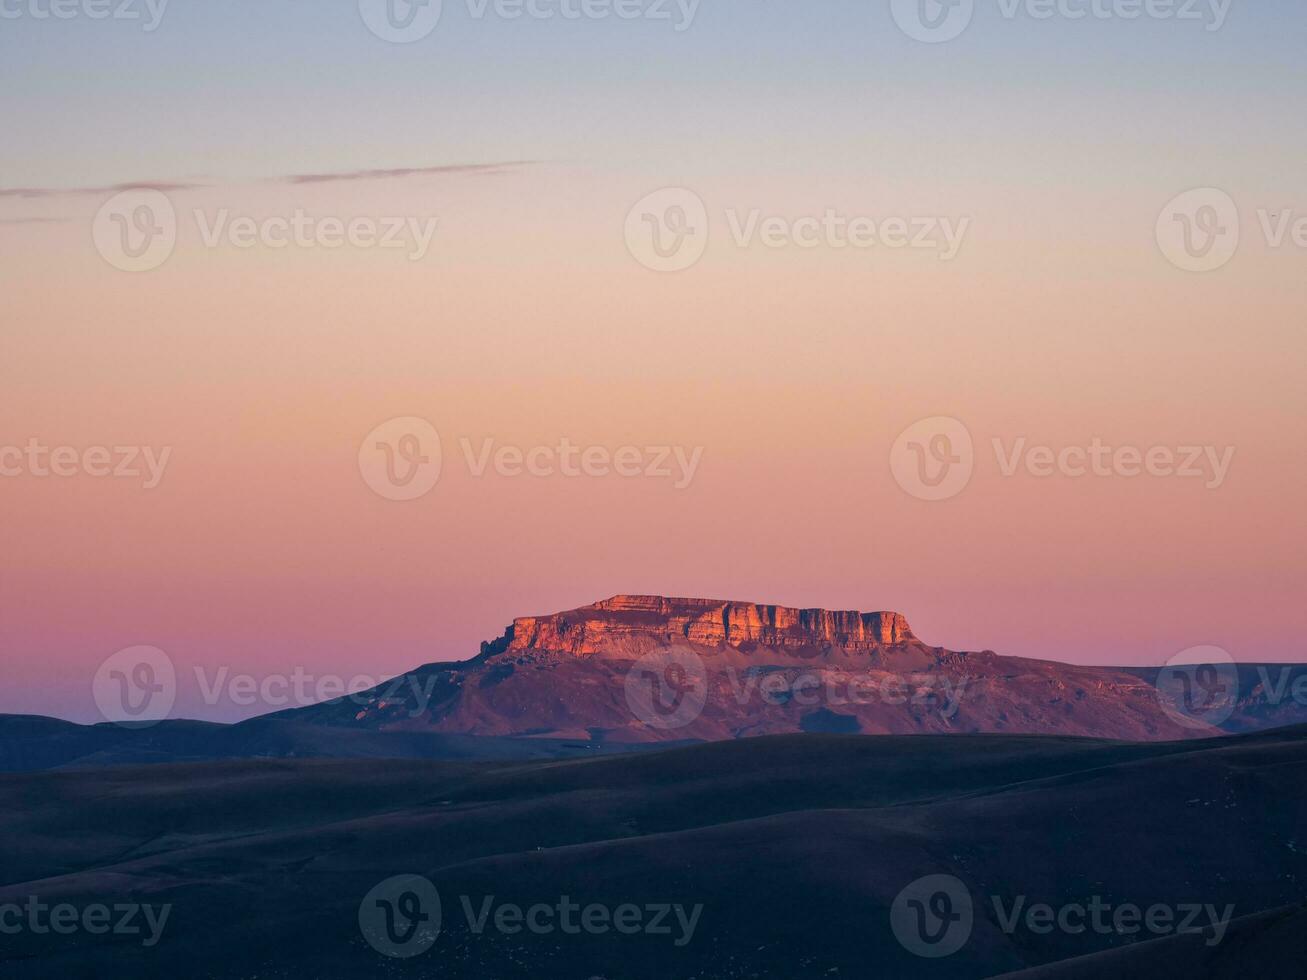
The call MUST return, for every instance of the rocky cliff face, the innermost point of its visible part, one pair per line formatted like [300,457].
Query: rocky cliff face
[625,620]
[649,668]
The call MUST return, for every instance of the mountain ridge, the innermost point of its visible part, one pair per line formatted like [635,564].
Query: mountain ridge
[635,671]
[646,668]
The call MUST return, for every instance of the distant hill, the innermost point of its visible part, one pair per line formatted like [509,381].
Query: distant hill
[648,668]
[639,671]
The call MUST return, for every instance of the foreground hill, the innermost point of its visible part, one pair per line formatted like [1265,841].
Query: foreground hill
[794,850]
[1268,944]
[32,744]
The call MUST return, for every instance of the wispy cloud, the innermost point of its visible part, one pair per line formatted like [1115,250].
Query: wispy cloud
[34,221]
[42,192]
[486,169]
[456,168]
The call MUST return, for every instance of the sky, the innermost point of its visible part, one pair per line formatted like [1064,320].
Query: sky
[777,393]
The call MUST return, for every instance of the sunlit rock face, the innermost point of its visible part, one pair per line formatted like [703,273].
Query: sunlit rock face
[616,621]
[592,674]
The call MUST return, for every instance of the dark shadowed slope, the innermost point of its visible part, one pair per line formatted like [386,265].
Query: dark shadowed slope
[31,744]
[1266,946]
[795,847]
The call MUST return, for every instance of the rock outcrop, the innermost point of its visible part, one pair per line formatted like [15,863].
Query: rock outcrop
[647,669]
[618,621]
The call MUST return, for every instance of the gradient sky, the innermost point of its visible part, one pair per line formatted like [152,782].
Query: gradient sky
[263,550]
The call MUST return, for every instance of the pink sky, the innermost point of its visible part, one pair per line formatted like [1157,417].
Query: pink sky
[263,550]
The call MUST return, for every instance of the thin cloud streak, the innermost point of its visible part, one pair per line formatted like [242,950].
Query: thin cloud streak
[29,193]
[34,221]
[458,168]
[486,169]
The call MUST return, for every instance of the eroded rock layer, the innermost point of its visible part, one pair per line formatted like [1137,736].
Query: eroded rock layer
[712,622]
